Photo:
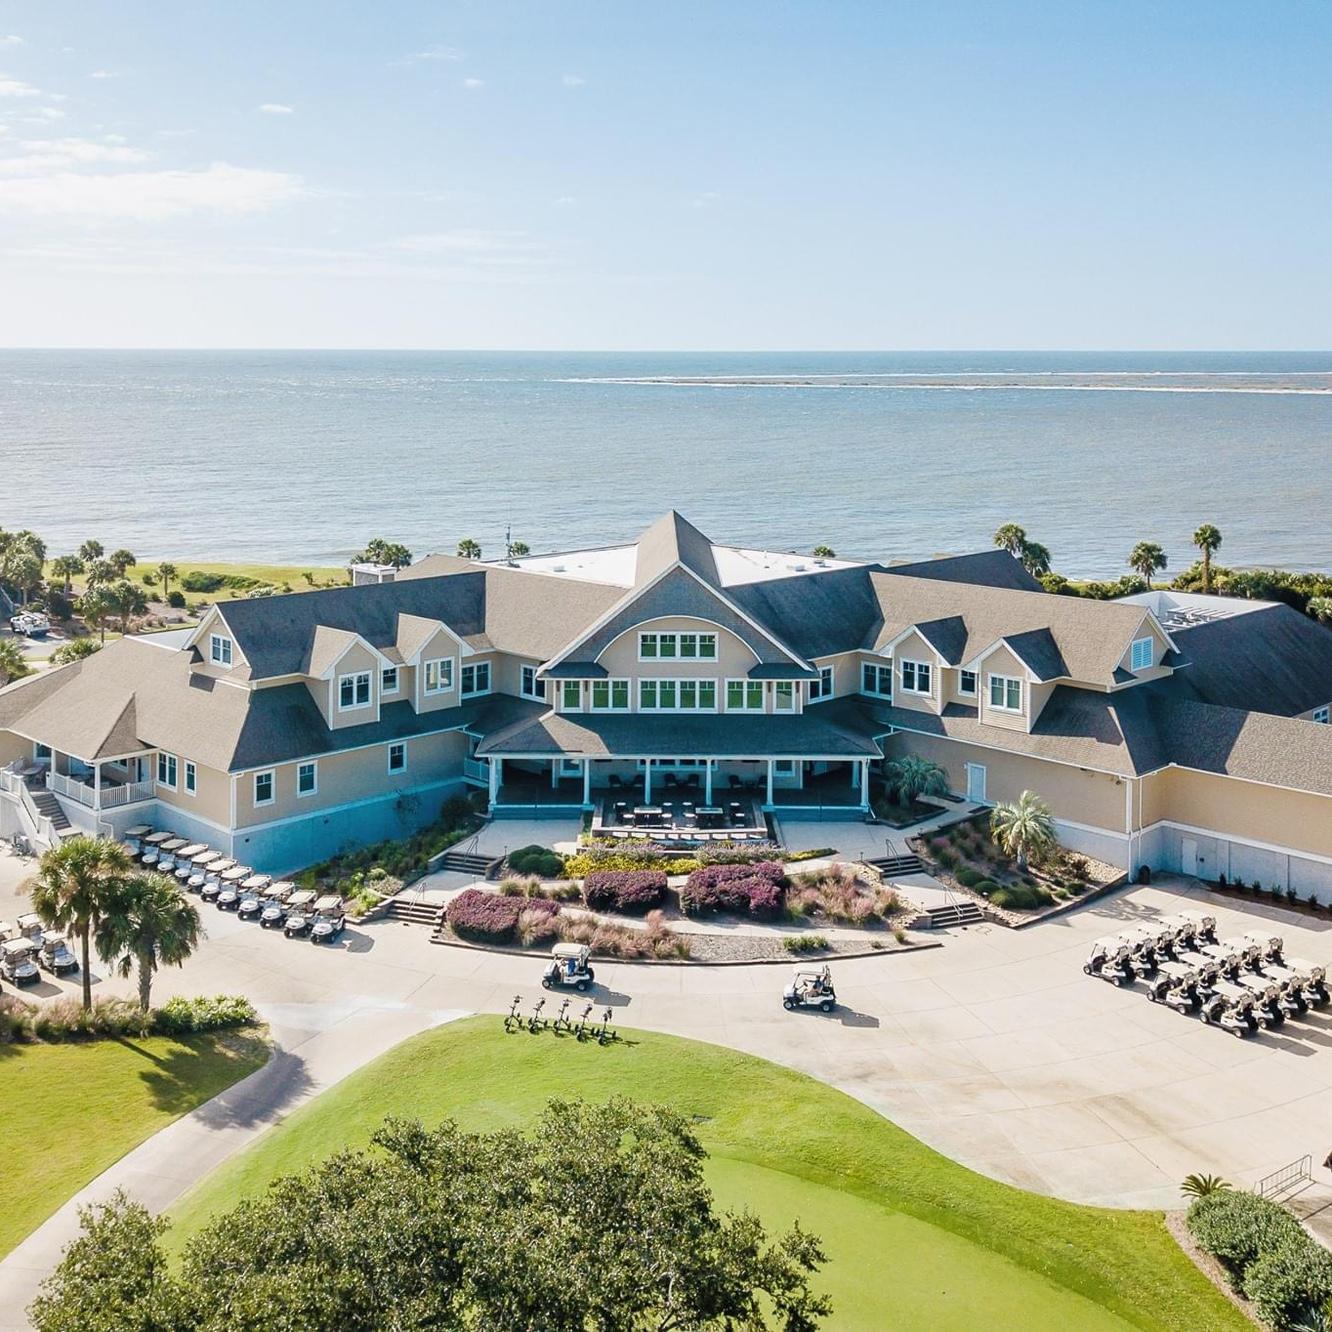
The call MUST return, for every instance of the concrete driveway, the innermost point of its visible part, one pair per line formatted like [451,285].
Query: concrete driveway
[994,1049]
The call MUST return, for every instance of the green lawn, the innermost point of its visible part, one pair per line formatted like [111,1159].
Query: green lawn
[69,1111]
[914,1240]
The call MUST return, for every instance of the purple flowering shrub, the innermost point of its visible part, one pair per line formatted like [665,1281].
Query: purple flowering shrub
[624,890]
[754,890]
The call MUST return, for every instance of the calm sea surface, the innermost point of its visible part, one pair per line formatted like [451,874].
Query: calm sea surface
[300,456]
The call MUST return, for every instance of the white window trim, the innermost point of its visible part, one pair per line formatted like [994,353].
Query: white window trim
[314,768]
[272,788]
[917,667]
[397,681]
[610,693]
[1151,654]
[1006,680]
[880,669]
[745,684]
[677,681]
[538,689]
[826,685]
[443,676]
[216,642]
[474,667]
[1323,715]
[776,707]
[190,778]
[565,705]
[172,761]
[571,767]
[975,683]
[354,706]
[388,758]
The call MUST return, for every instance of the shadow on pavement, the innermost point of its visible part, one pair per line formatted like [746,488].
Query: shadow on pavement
[266,1092]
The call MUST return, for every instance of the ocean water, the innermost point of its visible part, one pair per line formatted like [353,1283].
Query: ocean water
[299,457]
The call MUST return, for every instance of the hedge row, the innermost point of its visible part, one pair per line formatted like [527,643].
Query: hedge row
[754,889]
[66,1020]
[489,918]
[624,890]
[1267,1254]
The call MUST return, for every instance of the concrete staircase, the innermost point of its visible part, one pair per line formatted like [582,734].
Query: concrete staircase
[49,808]
[463,862]
[959,912]
[414,912]
[894,866]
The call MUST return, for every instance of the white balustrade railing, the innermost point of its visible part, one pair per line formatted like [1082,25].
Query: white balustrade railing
[72,788]
[477,769]
[115,796]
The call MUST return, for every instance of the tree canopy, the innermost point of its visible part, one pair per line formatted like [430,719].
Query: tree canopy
[598,1220]
[379,550]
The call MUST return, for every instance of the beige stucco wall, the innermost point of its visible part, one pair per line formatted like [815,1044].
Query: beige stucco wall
[13,747]
[1147,630]
[357,658]
[212,800]
[846,671]
[1298,820]
[1002,662]
[1073,794]
[441,646]
[358,774]
[620,657]
[914,648]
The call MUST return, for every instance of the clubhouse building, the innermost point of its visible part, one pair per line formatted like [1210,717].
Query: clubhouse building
[652,681]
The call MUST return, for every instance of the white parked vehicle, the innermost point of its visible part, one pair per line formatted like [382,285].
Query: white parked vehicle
[16,964]
[1230,1007]
[569,966]
[30,624]
[1269,997]
[55,955]
[1175,985]
[299,913]
[329,919]
[1112,959]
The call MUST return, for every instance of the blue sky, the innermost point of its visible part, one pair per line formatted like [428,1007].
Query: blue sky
[562,174]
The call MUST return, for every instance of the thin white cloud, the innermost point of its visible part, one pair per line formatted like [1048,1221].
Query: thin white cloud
[17,88]
[450,53]
[151,196]
[104,74]
[11,40]
[276,109]
[573,80]
[45,156]
[466,240]
[473,84]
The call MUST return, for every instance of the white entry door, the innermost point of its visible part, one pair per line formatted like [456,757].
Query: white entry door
[976,783]
[1188,855]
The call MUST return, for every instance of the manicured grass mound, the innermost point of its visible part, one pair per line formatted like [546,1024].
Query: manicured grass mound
[913,1239]
[70,1111]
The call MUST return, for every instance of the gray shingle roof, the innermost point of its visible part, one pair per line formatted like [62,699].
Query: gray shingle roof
[985,568]
[673,539]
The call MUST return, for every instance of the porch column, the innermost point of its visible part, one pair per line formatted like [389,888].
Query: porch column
[97,786]
[587,781]
[555,765]
[707,781]
[862,772]
[496,767]
[647,781]
[771,765]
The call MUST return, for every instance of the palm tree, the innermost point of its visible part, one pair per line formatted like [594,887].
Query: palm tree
[824,553]
[1012,538]
[127,599]
[519,550]
[166,572]
[469,549]
[12,665]
[90,551]
[99,572]
[147,923]
[1321,609]
[1202,1186]
[120,560]
[66,566]
[76,882]
[1023,827]
[21,567]
[96,606]
[1035,558]
[910,777]
[1146,559]
[1208,540]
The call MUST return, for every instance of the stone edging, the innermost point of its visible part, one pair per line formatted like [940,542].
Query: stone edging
[792,959]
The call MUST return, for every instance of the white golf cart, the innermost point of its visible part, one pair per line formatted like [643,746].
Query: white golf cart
[329,919]
[1230,1007]
[16,964]
[273,909]
[55,955]
[810,987]
[569,968]
[299,913]
[1112,959]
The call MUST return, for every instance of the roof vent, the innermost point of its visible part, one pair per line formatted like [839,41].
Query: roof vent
[557,568]
[799,568]
[819,564]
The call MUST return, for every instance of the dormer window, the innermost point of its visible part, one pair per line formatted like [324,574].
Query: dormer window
[219,650]
[439,675]
[1322,714]
[354,691]
[916,677]
[388,680]
[1142,655]
[966,683]
[1005,693]
[876,680]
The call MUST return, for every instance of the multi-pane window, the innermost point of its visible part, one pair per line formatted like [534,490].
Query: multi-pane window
[1322,714]
[966,682]
[677,695]
[528,684]
[916,677]
[219,650]
[439,675]
[783,696]
[397,757]
[354,691]
[263,788]
[476,679]
[677,647]
[784,767]
[1005,693]
[1143,654]
[744,695]
[191,777]
[875,679]
[610,695]
[823,686]
[307,779]
[166,770]
[388,680]
[571,695]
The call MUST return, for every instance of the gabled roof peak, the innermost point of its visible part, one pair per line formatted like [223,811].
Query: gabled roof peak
[673,539]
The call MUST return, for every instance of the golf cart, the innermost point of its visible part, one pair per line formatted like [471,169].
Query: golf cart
[273,909]
[30,927]
[329,918]
[1231,1008]
[55,956]
[1269,997]
[1175,985]
[1305,982]
[1112,959]
[1150,946]
[810,987]
[299,913]
[1270,946]
[258,893]
[229,893]
[16,964]
[569,967]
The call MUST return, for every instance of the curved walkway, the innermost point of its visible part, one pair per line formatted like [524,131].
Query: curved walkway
[994,1049]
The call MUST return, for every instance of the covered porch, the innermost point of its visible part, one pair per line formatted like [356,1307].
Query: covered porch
[99,784]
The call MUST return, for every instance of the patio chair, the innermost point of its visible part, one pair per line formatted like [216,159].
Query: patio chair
[734,782]
[615,782]
[672,781]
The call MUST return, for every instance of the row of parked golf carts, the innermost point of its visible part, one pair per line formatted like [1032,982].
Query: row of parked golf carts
[1237,984]
[27,949]
[231,886]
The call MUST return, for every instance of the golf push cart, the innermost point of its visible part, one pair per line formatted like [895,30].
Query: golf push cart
[810,987]
[569,968]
